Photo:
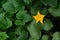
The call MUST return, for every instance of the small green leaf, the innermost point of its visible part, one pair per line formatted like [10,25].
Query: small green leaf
[54,12]
[5,23]
[34,31]
[2,15]
[21,14]
[9,22]
[22,34]
[22,18]
[47,25]
[56,36]
[3,36]
[19,30]
[20,22]
[45,37]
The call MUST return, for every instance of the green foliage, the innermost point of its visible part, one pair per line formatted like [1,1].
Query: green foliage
[3,36]
[12,6]
[17,22]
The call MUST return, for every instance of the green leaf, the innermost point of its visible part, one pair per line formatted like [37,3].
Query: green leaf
[54,12]
[12,6]
[5,23]
[22,34]
[9,23]
[20,22]
[47,25]
[45,37]
[56,36]
[3,36]
[34,31]
[22,18]
[21,14]
[52,3]
[2,15]
[19,30]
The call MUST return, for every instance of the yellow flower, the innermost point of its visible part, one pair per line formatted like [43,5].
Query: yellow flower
[39,17]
